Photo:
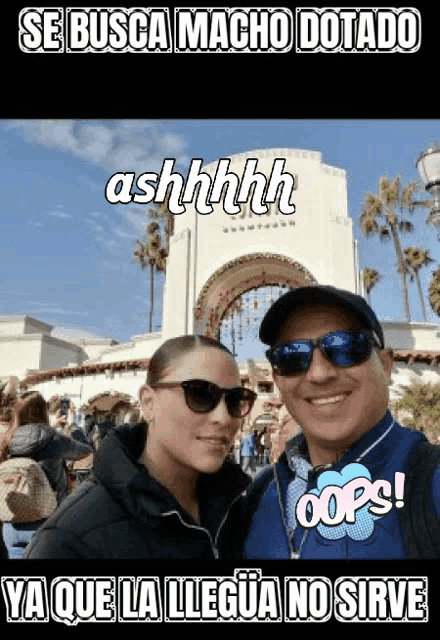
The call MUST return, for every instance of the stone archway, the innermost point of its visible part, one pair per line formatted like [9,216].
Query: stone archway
[238,276]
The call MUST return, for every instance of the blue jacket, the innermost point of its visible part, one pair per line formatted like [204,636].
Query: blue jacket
[383,451]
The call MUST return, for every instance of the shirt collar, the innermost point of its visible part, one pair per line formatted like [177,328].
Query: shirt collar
[297,446]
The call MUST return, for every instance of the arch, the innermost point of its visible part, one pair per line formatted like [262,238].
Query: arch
[238,276]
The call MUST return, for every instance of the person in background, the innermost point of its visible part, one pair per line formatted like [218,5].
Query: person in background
[105,426]
[34,438]
[248,452]
[8,398]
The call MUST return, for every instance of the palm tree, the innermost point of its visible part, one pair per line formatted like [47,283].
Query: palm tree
[415,259]
[153,254]
[383,206]
[159,212]
[434,291]
[370,277]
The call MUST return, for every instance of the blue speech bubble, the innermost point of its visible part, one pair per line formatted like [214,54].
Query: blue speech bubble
[363,526]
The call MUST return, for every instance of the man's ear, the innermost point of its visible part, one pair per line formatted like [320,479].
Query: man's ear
[146,399]
[387,358]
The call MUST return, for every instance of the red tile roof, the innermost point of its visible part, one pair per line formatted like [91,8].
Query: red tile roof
[85,370]
[411,356]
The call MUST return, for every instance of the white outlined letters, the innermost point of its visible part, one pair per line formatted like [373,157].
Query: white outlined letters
[139,600]
[231,30]
[351,30]
[118,188]
[308,599]
[26,599]
[245,597]
[381,599]
[85,599]
[40,30]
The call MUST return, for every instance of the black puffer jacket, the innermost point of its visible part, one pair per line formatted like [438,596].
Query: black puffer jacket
[50,449]
[120,511]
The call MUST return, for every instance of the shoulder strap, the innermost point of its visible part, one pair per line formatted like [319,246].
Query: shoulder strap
[421,525]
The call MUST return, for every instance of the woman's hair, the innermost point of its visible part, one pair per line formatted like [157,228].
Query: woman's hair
[174,350]
[31,409]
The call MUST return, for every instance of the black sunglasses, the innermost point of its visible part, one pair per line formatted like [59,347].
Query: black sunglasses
[202,396]
[342,348]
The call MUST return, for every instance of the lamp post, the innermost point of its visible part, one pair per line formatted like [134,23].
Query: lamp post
[428,166]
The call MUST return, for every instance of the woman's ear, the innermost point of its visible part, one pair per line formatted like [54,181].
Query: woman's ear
[146,399]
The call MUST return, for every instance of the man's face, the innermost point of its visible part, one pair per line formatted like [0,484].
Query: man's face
[335,406]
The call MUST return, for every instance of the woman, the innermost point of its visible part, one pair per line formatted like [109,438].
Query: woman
[165,491]
[34,438]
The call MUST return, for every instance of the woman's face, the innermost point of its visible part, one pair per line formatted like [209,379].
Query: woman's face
[178,438]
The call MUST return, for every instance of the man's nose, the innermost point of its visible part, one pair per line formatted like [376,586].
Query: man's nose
[321,369]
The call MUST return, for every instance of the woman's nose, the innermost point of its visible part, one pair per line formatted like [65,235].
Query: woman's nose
[220,413]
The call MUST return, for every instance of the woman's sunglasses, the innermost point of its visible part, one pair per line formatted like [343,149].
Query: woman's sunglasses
[202,396]
[342,348]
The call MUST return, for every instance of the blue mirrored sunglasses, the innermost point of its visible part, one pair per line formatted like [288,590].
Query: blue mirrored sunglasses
[342,348]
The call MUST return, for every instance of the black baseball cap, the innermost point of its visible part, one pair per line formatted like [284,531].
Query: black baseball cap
[296,299]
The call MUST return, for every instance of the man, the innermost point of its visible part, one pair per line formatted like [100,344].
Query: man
[248,453]
[332,370]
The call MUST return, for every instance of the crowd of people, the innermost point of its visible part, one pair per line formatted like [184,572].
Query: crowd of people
[257,447]
[181,480]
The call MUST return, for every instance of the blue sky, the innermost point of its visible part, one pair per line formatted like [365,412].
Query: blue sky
[66,252]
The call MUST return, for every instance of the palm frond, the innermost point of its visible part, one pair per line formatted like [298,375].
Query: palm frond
[408,192]
[369,225]
[372,205]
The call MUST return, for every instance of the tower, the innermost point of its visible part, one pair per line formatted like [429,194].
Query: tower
[215,258]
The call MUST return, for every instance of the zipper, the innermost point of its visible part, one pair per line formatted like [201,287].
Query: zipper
[226,515]
[213,543]
[192,526]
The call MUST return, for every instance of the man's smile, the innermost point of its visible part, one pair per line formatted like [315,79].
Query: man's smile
[327,399]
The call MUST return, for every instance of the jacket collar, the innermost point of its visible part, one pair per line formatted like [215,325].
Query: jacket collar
[363,448]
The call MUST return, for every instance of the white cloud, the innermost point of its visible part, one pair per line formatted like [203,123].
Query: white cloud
[60,214]
[137,146]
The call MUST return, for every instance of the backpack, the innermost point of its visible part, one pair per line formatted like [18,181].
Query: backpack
[421,524]
[25,492]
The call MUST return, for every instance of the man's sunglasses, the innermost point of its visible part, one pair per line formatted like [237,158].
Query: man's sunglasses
[202,396]
[342,348]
